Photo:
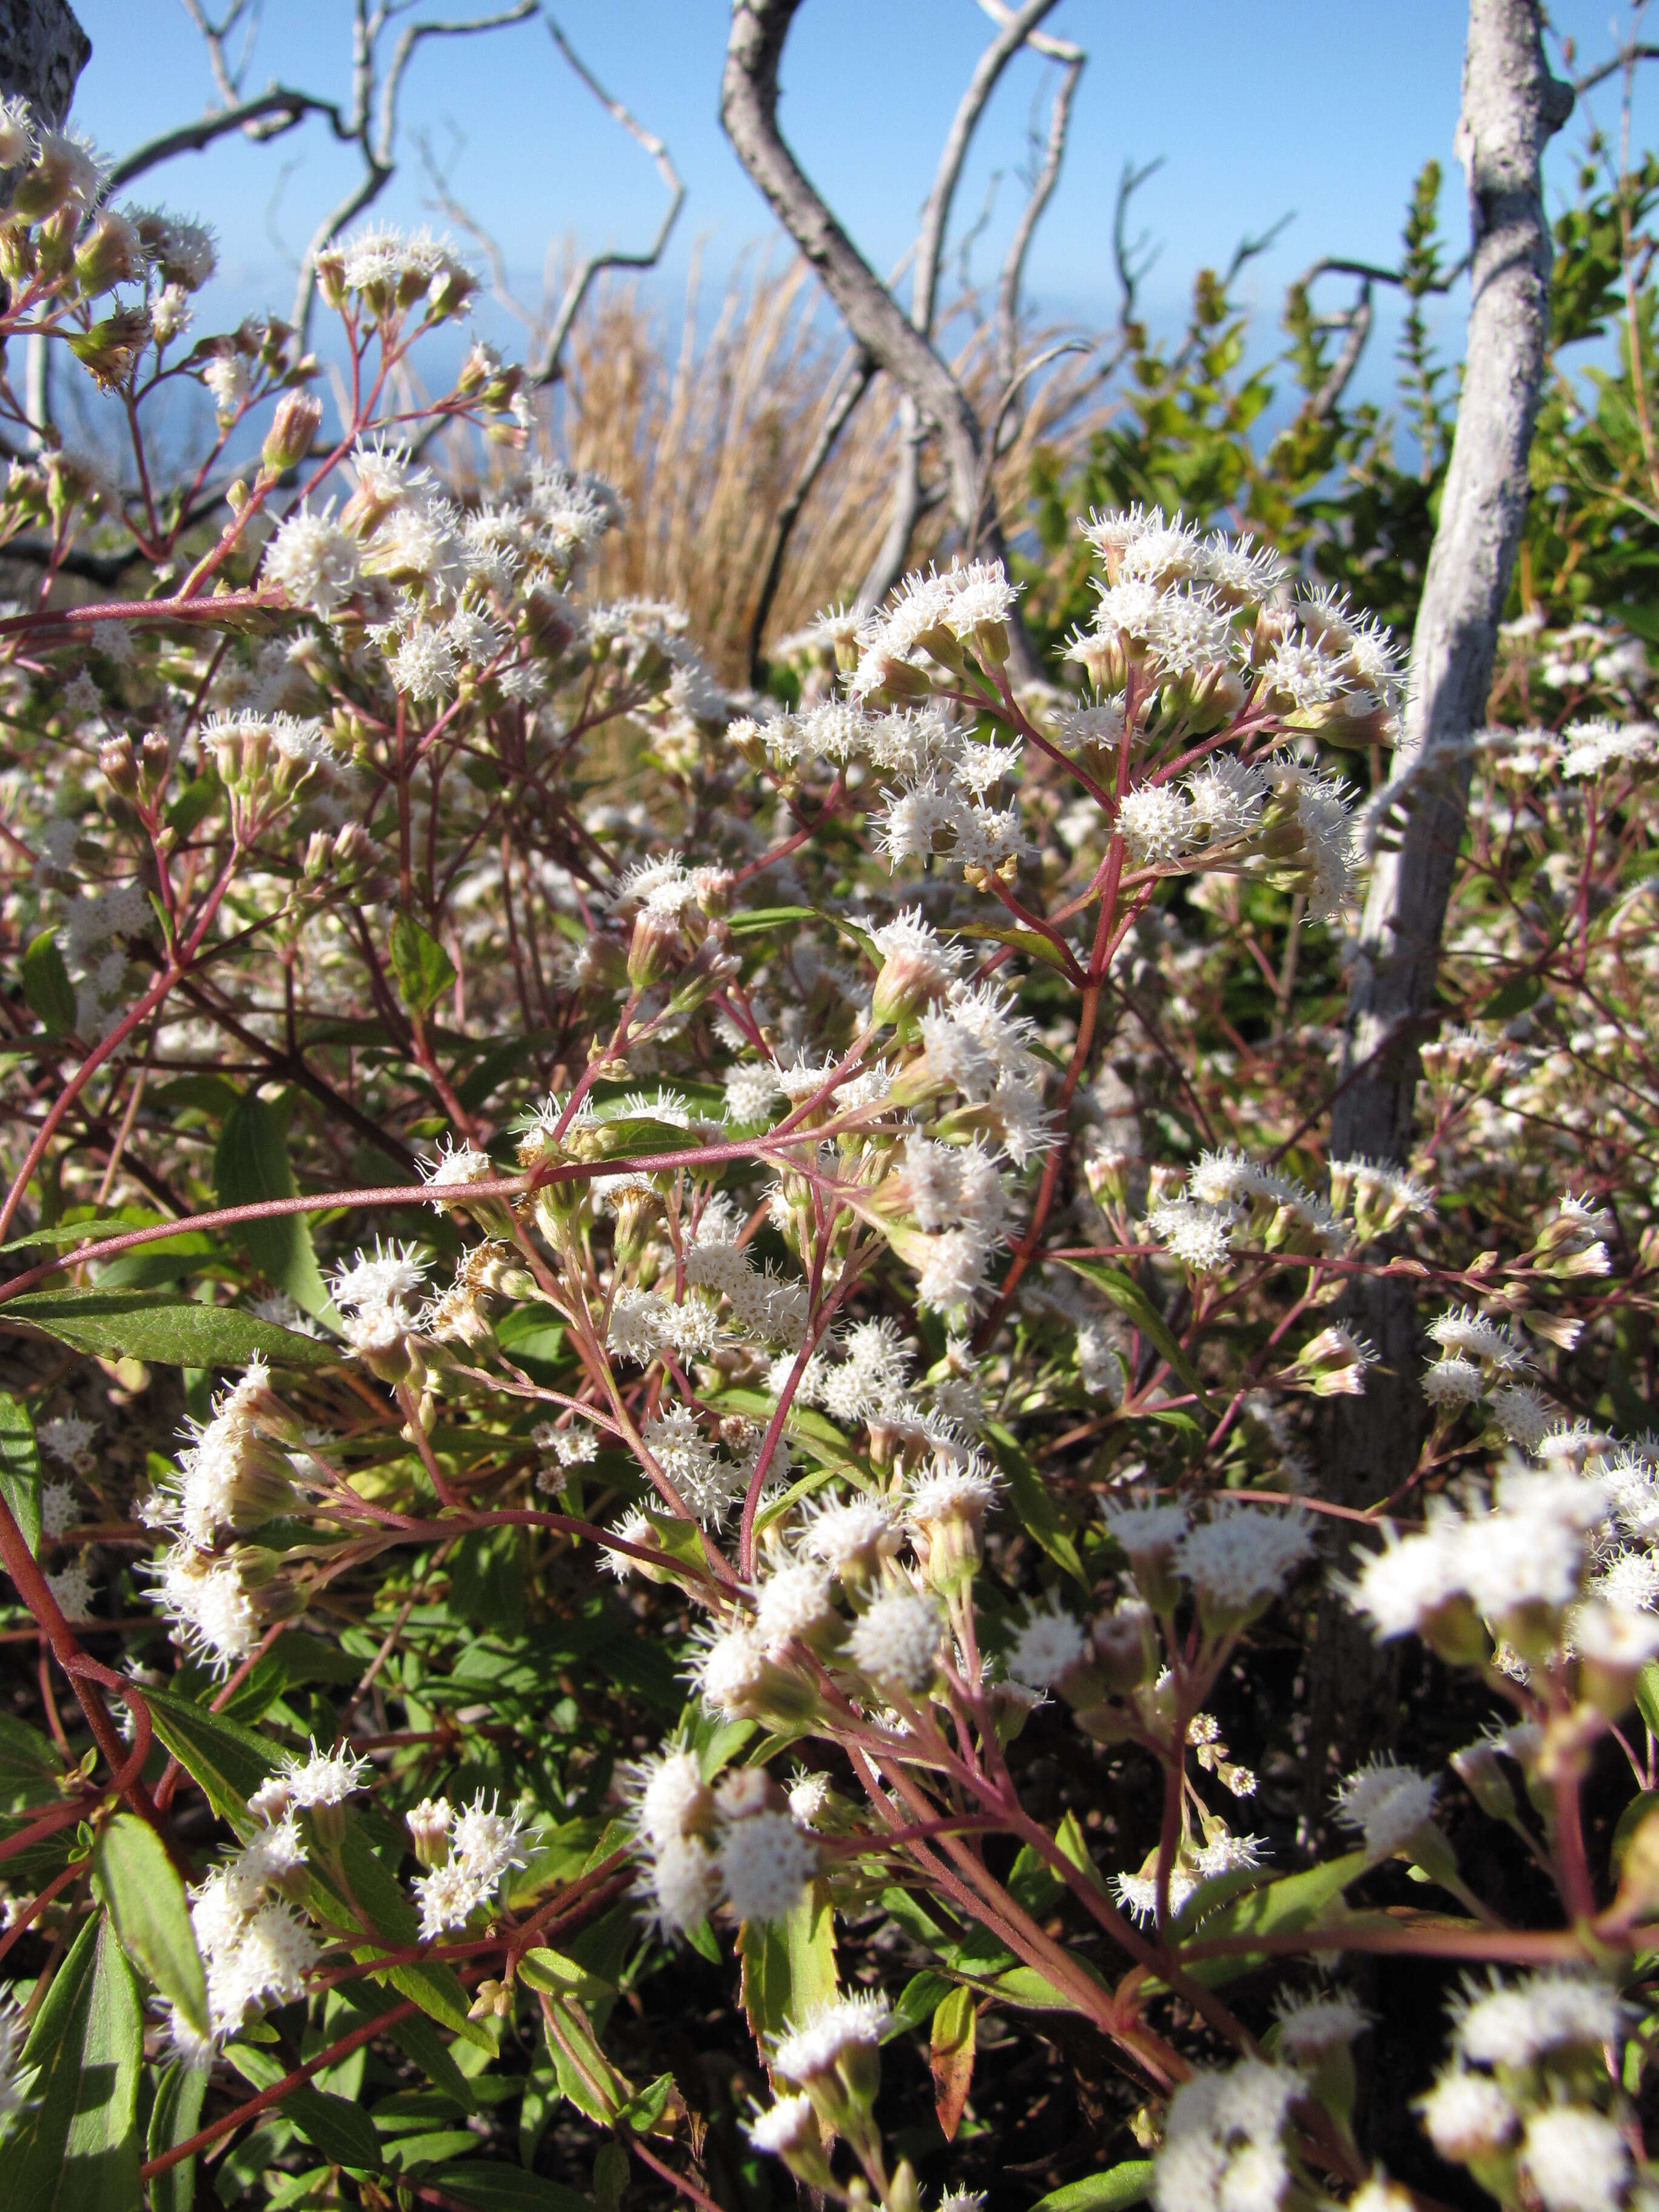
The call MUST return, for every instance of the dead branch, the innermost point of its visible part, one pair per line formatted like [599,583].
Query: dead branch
[270,115]
[855,382]
[1013,267]
[1015,27]
[374,124]
[1626,57]
[549,367]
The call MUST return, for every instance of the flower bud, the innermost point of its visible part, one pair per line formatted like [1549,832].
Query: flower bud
[1126,1645]
[330,269]
[17,254]
[652,948]
[293,427]
[1107,1174]
[1102,659]
[154,764]
[428,1831]
[108,255]
[118,767]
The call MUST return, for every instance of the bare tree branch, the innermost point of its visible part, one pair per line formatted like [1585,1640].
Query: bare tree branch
[279,110]
[1371,272]
[1132,263]
[1016,26]
[1013,267]
[549,367]
[1638,51]
[214,35]
[855,383]
[1355,326]
[374,124]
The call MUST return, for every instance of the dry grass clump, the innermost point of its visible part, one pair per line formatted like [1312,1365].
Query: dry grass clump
[704,434]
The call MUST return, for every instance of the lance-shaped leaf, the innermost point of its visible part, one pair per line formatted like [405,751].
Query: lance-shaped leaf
[1113,2190]
[226,1760]
[174,2119]
[164,1330]
[423,970]
[250,1163]
[19,1469]
[76,2147]
[788,1966]
[47,987]
[141,1887]
[951,2055]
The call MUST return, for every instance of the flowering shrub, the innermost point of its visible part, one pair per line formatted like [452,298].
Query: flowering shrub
[662,1344]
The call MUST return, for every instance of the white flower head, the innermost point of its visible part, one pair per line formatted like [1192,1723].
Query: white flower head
[765,1863]
[1386,1804]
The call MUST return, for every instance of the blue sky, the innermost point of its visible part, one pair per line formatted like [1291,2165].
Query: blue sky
[1260,108]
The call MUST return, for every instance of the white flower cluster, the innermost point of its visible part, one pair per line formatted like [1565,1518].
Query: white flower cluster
[466,1853]
[1226,1194]
[1541,1567]
[1516,2089]
[235,1474]
[1225,2141]
[256,1948]
[741,1842]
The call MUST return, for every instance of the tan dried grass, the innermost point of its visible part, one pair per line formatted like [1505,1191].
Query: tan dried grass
[705,441]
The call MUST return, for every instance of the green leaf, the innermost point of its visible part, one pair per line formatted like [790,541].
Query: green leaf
[1033,1504]
[748,920]
[85,1229]
[173,2119]
[250,1163]
[47,987]
[1294,1901]
[416,2038]
[227,1761]
[382,1901]
[194,803]
[19,1469]
[29,1767]
[76,2147]
[917,2001]
[164,1330]
[342,2131]
[1111,2191]
[587,2076]
[505,2189]
[1513,998]
[497,1064]
[1129,1299]
[423,970]
[642,2114]
[141,1887]
[1629,1821]
[1030,942]
[551,1972]
[788,1965]
[1647,1694]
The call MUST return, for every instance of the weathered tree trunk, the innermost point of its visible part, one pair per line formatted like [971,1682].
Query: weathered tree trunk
[748,109]
[43,51]
[1512,107]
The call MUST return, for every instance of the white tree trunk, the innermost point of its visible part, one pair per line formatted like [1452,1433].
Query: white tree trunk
[1512,105]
